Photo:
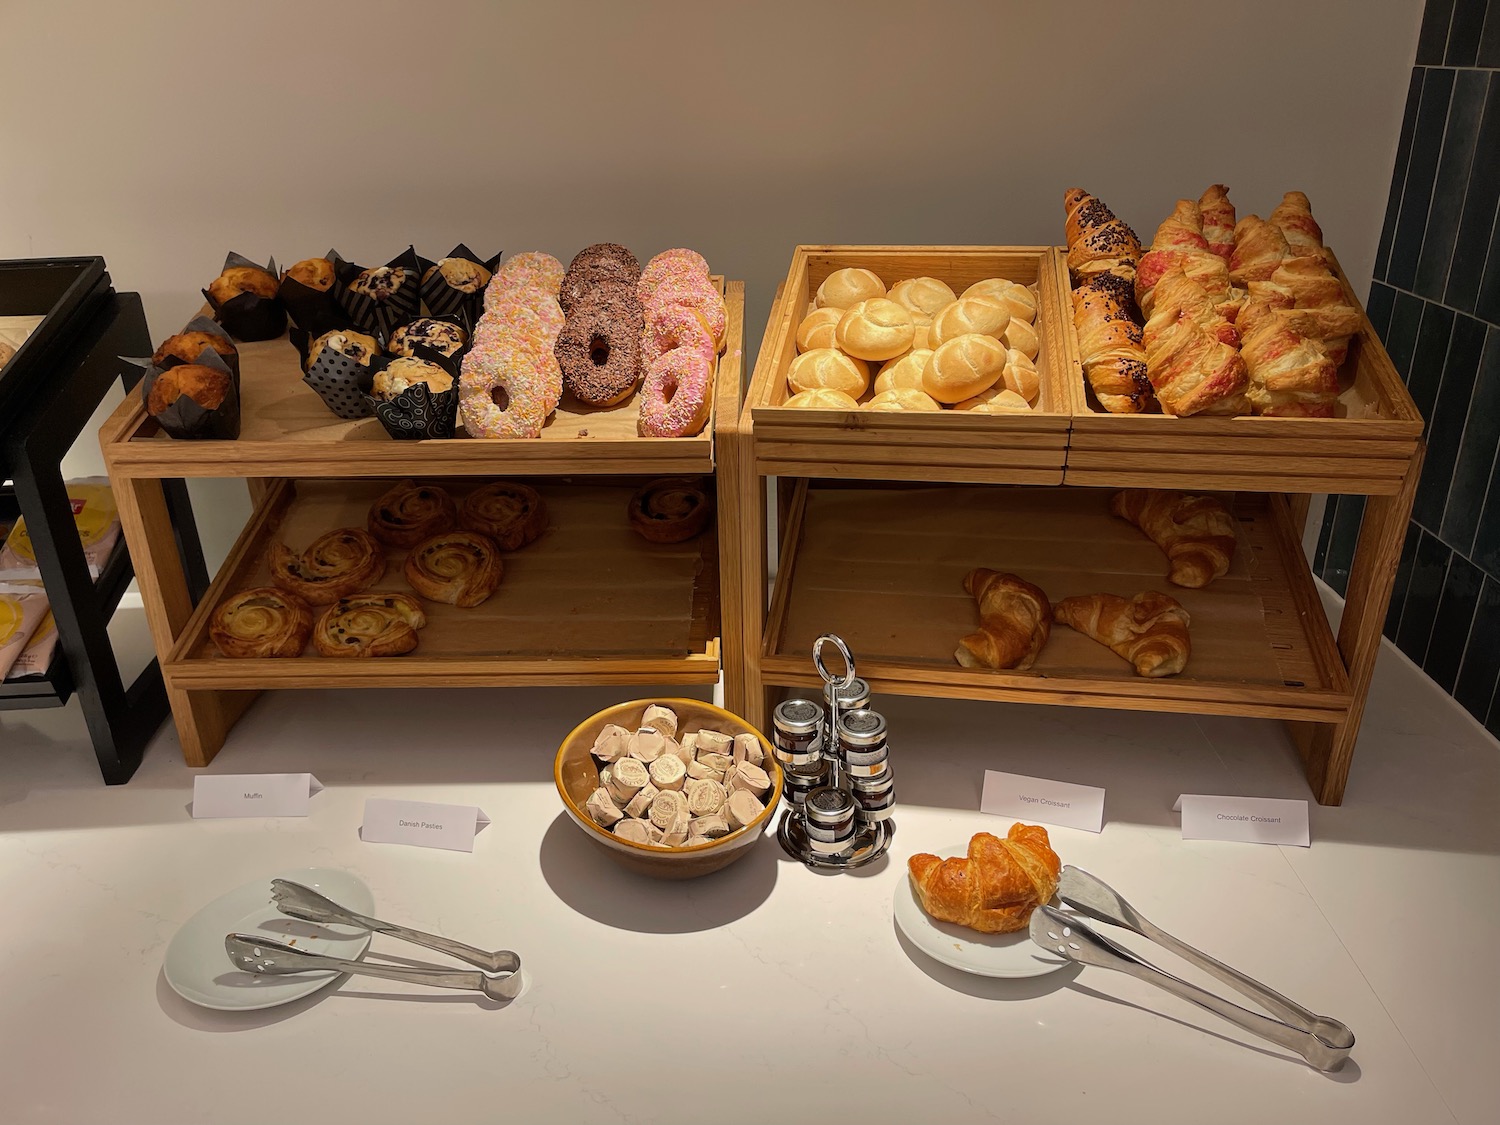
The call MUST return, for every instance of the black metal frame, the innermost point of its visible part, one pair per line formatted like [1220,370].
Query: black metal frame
[54,394]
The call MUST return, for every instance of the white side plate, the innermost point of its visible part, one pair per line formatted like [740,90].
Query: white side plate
[199,970]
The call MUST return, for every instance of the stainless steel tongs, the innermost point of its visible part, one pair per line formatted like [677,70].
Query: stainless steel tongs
[1324,1042]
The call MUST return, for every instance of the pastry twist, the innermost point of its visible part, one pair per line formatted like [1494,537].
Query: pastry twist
[1110,345]
[462,568]
[410,512]
[261,622]
[670,510]
[1098,242]
[511,514]
[369,625]
[335,564]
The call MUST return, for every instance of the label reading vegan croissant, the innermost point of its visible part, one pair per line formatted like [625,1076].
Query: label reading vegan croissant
[1041,800]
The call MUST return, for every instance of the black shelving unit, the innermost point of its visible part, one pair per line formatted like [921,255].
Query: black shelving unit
[48,393]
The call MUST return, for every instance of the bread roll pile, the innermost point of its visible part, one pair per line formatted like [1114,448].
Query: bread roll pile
[916,346]
[664,791]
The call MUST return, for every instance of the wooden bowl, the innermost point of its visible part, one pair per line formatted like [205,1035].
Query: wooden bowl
[577,775]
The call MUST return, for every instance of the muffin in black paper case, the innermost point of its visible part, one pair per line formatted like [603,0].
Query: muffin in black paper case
[340,380]
[417,412]
[379,298]
[313,310]
[455,284]
[248,316]
[205,324]
[185,418]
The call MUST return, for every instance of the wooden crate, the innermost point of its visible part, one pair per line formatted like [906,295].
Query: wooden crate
[912,445]
[1367,449]
[286,431]
[588,600]
[883,567]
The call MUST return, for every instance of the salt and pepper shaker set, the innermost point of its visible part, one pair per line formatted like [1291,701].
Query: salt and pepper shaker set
[838,785]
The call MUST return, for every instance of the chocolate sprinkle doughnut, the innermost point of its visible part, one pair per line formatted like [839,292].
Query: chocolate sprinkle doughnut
[599,347]
[599,264]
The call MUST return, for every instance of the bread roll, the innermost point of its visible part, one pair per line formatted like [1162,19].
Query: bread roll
[903,371]
[903,398]
[847,287]
[821,398]
[963,367]
[922,294]
[968,314]
[997,400]
[922,331]
[817,329]
[828,368]
[1020,375]
[876,329]
[1022,337]
[1018,300]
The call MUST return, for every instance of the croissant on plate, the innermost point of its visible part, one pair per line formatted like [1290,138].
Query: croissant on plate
[995,887]
[1015,620]
[1192,369]
[1218,220]
[1098,241]
[1109,343]
[1150,630]
[1195,532]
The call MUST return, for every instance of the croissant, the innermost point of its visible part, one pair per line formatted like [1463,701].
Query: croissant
[1178,240]
[1259,247]
[1178,290]
[1150,630]
[996,887]
[1109,342]
[1015,620]
[1098,242]
[1293,216]
[1218,220]
[1290,376]
[1191,368]
[1196,532]
[1315,288]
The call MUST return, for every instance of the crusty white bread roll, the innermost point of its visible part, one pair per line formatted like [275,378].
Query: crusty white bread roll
[903,398]
[968,314]
[1018,300]
[922,294]
[1022,337]
[903,371]
[830,368]
[817,329]
[846,287]
[876,328]
[921,331]
[963,367]
[821,398]
[996,400]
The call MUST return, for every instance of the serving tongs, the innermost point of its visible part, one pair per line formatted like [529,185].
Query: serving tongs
[499,975]
[1324,1042]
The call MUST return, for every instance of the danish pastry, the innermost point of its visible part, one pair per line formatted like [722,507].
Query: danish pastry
[670,510]
[511,514]
[410,512]
[261,622]
[368,625]
[462,568]
[334,565]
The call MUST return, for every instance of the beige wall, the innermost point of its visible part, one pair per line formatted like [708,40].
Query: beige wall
[161,135]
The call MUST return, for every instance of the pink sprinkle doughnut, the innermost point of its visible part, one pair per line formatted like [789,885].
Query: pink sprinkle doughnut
[533,268]
[537,301]
[509,363]
[700,296]
[519,322]
[679,262]
[675,326]
[675,395]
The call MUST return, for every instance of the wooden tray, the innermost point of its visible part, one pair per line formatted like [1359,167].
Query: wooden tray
[883,567]
[912,445]
[1366,449]
[589,599]
[287,431]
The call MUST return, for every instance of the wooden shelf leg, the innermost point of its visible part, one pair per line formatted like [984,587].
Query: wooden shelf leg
[1328,748]
[204,719]
[743,552]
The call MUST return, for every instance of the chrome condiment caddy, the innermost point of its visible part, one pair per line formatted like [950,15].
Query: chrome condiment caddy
[835,762]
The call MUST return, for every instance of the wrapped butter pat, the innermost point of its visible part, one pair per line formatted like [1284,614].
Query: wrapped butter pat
[714,742]
[747,748]
[720,763]
[601,808]
[627,777]
[713,826]
[705,797]
[742,808]
[701,772]
[668,807]
[751,777]
[611,743]
[662,719]
[640,804]
[636,831]
[668,772]
[647,745]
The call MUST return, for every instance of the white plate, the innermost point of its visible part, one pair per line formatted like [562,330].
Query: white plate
[985,955]
[199,970]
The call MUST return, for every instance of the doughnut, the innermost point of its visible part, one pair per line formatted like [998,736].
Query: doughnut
[410,512]
[599,348]
[502,388]
[670,263]
[670,510]
[511,514]
[369,625]
[537,301]
[462,568]
[516,321]
[337,563]
[531,268]
[604,263]
[700,296]
[676,326]
[676,394]
[261,622]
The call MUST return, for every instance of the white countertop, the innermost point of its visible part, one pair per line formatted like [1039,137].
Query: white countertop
[765,992]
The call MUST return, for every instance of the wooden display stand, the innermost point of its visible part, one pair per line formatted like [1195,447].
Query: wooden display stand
[589,603]
[881,564]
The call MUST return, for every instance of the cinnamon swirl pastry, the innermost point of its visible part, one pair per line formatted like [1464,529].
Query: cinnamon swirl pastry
[411,512]
[369,625]
[670,510]
[462,568]
[511,514]
[339,563]
[261,622]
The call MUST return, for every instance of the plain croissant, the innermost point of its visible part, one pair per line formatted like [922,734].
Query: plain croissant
[1196,532]
[993,890]
[1150,630]
[1015,620]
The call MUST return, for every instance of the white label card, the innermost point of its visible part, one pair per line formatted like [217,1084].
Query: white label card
[1040,799]
[253,794]
[1249,820]
[422,824]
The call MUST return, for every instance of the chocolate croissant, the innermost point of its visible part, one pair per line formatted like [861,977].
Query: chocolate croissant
[996,887]
[1098,242]
[1109,343]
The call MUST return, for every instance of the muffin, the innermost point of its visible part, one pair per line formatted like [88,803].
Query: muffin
[347,343]
[186,347]
[207,386]
[241,279]
[440,335]
[404,373]
[380,283]
[460,274]
[315,273]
